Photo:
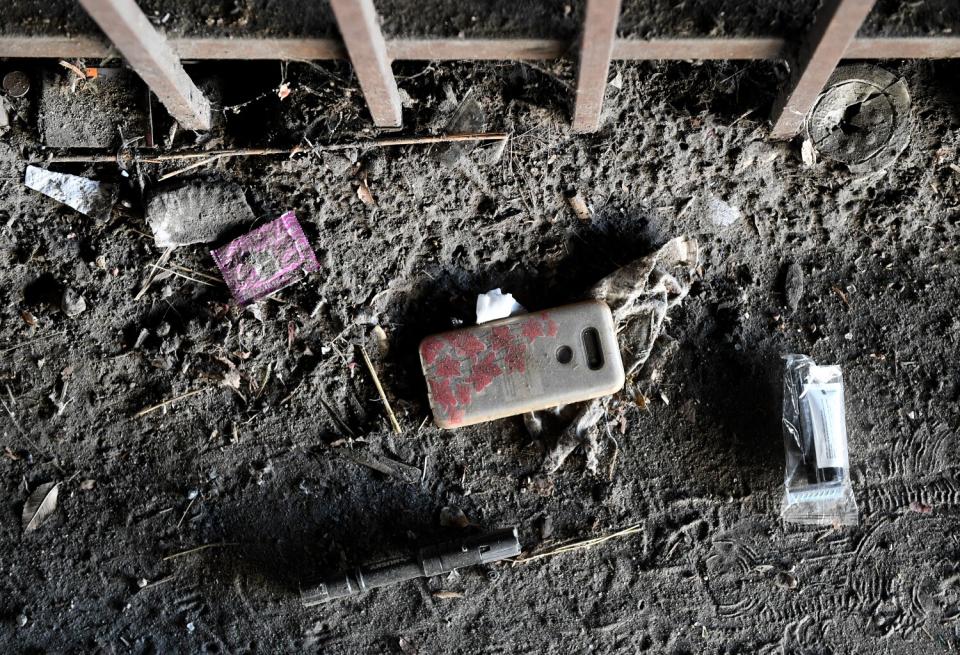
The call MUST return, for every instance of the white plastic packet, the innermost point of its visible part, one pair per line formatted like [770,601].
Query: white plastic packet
[817,481]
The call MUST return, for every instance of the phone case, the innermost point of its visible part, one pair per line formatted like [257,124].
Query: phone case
[521,364]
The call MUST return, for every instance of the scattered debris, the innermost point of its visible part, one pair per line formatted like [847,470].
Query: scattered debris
[91,107]
[87,485]
[407,647]
[196,213]
[579,206]
[429,561]
[862,118]
[72,303]
[16,84]
[89,197]
[579,544]
[639,294]
[266,260]
[41,504]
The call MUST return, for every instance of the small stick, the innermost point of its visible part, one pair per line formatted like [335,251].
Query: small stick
[30,341]
[581,544]
[183,275]
[153,408]
[202,162]
[186,511]
[222,544]
[157,583]
[212,278]
[421,140]
[160,262]
[383,395]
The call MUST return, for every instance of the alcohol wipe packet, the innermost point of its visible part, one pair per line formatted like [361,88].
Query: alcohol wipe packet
[817,487]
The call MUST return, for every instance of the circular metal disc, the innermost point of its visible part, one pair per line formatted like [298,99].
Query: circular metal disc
[16,84]
[862,118]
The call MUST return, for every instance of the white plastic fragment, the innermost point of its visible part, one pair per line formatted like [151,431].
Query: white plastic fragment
[87,196]
[722,214]
[496,304]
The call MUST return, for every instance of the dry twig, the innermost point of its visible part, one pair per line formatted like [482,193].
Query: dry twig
[210,155]
[383,395]
[153,408]
[580,544]
[221,544]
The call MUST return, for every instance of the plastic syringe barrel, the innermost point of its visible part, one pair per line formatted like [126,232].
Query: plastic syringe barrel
[430,560]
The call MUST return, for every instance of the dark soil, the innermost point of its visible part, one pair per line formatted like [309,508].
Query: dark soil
[254,471]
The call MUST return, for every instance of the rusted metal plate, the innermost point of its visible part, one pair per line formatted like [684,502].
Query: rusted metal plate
[596,49]
[832,33]
[357,20]
[149,54]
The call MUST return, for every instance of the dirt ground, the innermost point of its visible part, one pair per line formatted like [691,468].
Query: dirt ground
[264,472]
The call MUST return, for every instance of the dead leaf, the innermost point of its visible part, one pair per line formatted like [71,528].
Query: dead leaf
[642,401]
[76,70]
[28,318]
[41,504]
[445,595]
[363,192]
[87,485]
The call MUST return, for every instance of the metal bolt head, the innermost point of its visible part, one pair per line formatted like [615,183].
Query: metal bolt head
[16,84]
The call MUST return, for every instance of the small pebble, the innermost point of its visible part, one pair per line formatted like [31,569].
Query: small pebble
[786,580]
[453,517]
[72,303]
[21,620]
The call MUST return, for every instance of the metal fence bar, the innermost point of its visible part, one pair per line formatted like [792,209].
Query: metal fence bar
[832,33]
[149,54]
[250,48]
[357,20]
[701,49]
[596,48]
[929,47]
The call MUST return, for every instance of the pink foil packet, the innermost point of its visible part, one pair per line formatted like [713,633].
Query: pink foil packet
[265,260]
